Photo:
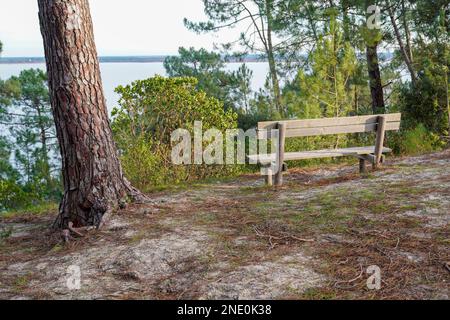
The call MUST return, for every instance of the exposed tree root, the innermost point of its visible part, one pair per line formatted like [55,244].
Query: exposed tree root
[71,232]
[279,238]
[338,283]
[93,213]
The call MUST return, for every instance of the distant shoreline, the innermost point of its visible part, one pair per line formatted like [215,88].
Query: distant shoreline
[120,59]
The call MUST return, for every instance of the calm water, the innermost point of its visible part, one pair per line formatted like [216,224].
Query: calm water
[114,74]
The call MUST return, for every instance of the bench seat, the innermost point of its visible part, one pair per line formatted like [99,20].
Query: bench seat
[266,159]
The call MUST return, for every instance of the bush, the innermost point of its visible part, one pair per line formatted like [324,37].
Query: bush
[12,196]
[149,111]
[416,141]
[424,105]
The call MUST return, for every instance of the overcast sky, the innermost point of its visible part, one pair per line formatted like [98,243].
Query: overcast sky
[122,27]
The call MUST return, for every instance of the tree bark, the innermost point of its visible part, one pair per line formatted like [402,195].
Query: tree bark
[376,86]
[345,19]
[373,66]
[272,62]
[44,149]
[448,101]
[403,49]
[94,183]
[407,33]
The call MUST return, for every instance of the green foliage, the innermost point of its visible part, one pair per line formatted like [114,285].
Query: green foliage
[33,209]
[150,110]
[7,171]
[9,91]
[16,196]
[259,19]
[327,90]
[34,132]
[330,86]
[206,67]
[12,196]
[425,24]
[260,109]
[30,177]
[416,141]
[232,88]
[241,94]
[143,166]
[427,101]
[424,104]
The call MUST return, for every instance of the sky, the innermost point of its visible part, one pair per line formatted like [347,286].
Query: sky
[121,27]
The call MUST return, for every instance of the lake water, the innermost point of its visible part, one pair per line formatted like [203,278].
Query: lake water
[115,74]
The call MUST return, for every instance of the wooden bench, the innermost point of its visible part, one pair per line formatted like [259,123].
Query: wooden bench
[325,126]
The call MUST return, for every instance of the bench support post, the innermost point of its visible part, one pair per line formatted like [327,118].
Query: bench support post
[381,129]
[368,158]
[280,153]
[269,177]
[362,166]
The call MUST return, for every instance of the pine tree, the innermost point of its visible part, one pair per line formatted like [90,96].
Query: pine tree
[94,184]
[326,90]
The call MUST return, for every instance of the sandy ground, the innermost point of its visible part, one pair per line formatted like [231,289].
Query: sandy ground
[314,238]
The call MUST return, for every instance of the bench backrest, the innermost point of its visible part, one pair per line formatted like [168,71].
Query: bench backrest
[330,126]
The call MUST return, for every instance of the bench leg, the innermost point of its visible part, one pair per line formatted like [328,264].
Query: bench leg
[379,141]
[269,177]
[279,178]
[362,166]
[382,160]
[280,154]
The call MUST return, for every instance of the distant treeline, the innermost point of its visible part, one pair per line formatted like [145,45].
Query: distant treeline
[124,59]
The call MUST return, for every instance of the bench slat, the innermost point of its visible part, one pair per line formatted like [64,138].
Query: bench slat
[321,131]
[317,154]
[330,122]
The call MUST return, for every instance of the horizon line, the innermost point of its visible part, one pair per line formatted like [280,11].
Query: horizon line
[125,59]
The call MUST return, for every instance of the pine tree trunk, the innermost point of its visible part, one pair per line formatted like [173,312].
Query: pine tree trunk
[448,101]
[403,51]
[407,33]
[376,87]
[93,180]
[373,67]
[272,62]
[275,84]
[44,149]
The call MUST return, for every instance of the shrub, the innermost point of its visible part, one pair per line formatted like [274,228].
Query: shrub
[416,141]
[149,111]
[424,105]
[12,196]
